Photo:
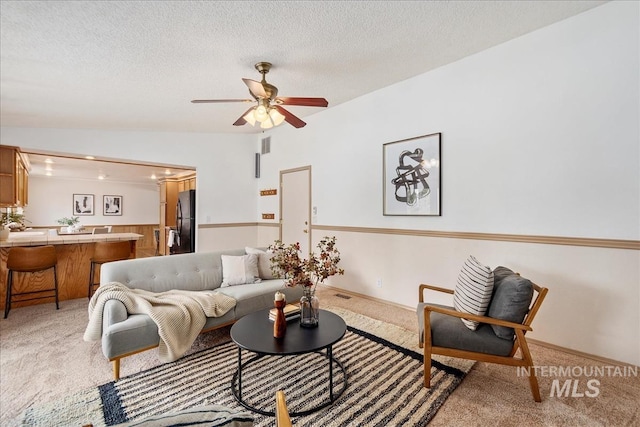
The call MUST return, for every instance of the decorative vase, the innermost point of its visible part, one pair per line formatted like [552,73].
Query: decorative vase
[309,309]
[280,323]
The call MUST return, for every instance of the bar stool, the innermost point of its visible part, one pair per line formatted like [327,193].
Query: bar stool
[30,260]
[107,252]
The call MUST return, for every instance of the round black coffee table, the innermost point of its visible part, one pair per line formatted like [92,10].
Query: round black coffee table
[254,333]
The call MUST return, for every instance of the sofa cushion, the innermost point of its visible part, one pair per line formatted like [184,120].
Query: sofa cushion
[473,290]
[512,295]
[239,270]
[264,262]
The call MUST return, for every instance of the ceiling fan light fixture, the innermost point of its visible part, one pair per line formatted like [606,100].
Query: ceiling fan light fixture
[250,117]
[261,113]
[276,117]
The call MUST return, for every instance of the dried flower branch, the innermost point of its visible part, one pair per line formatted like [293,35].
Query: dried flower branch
[287,263]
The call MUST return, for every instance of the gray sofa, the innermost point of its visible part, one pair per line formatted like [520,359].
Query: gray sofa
[124,334]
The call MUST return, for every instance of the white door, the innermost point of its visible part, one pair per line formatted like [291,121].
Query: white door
[295,208]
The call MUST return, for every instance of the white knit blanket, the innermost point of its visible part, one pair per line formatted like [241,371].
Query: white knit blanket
[180,315]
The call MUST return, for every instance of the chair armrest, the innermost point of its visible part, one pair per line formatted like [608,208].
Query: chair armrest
[433,288]
[481,319]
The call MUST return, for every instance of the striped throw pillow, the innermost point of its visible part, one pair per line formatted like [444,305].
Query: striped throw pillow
[473,290]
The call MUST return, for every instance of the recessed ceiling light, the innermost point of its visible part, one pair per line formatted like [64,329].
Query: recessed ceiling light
[153,176]
[48,161]
[48,173]
[167,172]
[101,176]
[48,168]
[89,157]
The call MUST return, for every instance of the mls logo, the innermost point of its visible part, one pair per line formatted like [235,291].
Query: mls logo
[571,388]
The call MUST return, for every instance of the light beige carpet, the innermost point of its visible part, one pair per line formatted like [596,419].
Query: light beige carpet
[43,357]
[371,361]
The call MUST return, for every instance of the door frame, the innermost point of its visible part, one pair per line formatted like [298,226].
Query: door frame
[282,173]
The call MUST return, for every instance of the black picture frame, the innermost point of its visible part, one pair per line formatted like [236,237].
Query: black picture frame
[412,176]
[83,204]
[111,205]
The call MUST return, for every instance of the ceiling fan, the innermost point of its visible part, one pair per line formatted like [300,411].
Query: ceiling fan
[268,111]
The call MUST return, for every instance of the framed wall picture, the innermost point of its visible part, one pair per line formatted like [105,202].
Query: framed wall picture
[82,204]
[412,177]
[111,205]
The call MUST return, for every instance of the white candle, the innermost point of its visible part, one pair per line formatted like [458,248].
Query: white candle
[279,296]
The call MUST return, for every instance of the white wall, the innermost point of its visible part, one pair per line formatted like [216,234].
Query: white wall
[50,199]
[540,137]
[226,187]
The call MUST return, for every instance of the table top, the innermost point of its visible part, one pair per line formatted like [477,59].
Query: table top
[254,332]
[38,238]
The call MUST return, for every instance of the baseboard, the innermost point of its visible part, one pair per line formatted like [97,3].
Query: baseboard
[578,353]
[529,340]
[370,298]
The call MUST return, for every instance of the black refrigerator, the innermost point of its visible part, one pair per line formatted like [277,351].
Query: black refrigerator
[185,232]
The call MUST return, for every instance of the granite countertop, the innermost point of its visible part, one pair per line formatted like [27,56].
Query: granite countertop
[36,238]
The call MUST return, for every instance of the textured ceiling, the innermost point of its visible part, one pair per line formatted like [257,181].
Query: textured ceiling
[135,65]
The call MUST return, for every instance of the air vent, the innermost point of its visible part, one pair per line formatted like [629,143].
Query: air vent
[266,145]
[343,296]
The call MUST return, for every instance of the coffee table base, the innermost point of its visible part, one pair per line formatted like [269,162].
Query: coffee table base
[237,379]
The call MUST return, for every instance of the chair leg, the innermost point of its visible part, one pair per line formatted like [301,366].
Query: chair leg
[91,278]
[426,340]
[526,355]
[55,285]
[427,366]
[7,302]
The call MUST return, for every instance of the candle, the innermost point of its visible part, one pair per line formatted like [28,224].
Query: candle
[279,296]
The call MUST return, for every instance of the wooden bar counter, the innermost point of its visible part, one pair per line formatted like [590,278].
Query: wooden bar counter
[74,254]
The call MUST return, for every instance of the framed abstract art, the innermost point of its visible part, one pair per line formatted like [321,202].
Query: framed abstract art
[412,176]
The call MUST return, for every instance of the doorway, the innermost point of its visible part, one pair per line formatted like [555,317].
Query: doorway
[295,208]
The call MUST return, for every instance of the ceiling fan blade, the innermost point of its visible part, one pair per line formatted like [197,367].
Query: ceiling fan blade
[306,102]
[209,101]
[241,121]
[255,88]
[290,118]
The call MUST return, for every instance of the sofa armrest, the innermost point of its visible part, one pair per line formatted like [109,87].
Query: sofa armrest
[114,312]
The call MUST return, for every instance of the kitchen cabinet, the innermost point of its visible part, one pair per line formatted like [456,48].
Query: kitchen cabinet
[14,177]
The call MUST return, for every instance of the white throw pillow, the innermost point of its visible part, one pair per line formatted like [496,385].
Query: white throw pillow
[473,290]
[264,262]
[239,270]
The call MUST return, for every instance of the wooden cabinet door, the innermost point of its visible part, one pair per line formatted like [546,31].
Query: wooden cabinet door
[14,178]
[7,183]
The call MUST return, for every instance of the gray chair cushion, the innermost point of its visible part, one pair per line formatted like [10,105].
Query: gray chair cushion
[511,298]
[450,332]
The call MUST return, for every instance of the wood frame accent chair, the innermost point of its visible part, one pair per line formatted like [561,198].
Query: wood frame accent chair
[440,324]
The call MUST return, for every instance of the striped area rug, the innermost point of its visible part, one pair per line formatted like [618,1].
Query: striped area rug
[384,383]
